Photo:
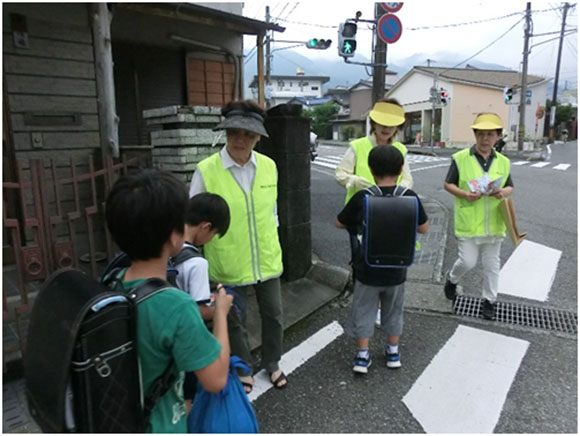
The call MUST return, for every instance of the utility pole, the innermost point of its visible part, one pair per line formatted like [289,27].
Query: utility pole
[522,127]
[380,60]
[555,93]
[268,71]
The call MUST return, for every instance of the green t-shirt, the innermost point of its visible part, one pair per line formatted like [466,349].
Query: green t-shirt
[169,327]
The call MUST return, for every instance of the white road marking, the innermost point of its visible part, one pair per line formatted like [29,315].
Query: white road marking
[522,162]
[561,167]
[464,388]
[323,164]
[540,164]
[429,167]
[297,356]
[530,271]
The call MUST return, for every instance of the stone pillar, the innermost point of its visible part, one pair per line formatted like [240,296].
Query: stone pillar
[289,147]
[184,137]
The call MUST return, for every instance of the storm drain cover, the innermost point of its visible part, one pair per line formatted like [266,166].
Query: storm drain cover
[520,314]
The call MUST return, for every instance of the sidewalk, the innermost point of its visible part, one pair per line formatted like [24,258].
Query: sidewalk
[301,298]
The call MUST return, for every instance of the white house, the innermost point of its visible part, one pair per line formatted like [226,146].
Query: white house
[283,88]
[470,91]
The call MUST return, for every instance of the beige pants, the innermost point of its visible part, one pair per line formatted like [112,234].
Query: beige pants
[468,252]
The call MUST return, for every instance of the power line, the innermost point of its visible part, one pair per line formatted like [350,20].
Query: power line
[282,11]
[291,10]
[490,44]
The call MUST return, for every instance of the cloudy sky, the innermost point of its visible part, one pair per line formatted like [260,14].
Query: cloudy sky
[438,28]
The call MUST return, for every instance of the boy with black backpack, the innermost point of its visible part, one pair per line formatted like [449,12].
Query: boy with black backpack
[145,215]
[376,282]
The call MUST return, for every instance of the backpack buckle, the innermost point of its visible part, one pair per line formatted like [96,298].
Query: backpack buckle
[102,367]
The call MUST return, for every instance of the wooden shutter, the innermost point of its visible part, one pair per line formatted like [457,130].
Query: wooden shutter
[209,83]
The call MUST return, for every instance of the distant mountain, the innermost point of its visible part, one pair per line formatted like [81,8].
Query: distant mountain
[287,61]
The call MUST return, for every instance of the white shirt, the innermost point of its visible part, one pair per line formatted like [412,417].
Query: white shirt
[193,277]
[243,174]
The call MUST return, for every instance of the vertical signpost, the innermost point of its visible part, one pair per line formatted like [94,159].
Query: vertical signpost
[389,30]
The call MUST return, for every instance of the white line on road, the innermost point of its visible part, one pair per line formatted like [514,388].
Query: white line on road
[297,356]
[429,167]
[540,164]
[522,162]
[323,164]
[530,271]
[561,167]
[464,387]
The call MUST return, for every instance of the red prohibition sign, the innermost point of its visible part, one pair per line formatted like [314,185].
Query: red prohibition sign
[389,28]
[392,6]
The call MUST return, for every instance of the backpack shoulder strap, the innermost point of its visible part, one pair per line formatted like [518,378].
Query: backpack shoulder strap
[374,190]
[399,191]
[148,288]
[186,253]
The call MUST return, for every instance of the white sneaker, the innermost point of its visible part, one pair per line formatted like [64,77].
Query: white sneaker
[378,320]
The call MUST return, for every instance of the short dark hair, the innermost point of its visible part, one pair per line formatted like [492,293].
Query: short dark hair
[385,160]
[244,106]
[142,211]
[210,208]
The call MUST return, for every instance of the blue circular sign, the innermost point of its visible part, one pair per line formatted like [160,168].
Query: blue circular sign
[389,28]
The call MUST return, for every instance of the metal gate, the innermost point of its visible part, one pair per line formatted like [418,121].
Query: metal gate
[53,218]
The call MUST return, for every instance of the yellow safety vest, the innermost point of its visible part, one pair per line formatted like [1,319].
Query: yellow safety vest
[481,217]
[362,147]
[250,250]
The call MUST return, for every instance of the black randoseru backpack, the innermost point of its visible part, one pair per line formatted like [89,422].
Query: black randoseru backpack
[81,364]
[389,228]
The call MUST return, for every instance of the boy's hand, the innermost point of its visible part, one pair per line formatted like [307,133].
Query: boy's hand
[223,301]
[472,196]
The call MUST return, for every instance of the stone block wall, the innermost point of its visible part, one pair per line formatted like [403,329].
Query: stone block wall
[184,138]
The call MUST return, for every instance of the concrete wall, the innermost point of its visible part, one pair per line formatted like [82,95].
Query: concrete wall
[466,102]
[360,103]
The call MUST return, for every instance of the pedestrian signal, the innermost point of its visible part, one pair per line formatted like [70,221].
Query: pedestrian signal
[347,39]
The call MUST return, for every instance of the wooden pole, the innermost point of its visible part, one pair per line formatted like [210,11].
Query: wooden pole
[108,119]
[261,94]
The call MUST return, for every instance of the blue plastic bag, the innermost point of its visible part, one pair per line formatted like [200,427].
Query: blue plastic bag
[228,411]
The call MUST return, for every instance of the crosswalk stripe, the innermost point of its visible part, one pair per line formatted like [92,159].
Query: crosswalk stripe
[465,386]
[324,164]
[298,356]
[561,167]
[540,164]
[522,162]
[530,271]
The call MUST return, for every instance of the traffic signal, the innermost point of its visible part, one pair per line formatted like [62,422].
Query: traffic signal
[443,96]
[508,94]
[318,44]
[347,39]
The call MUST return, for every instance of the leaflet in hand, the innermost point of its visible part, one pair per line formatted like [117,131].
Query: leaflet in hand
[484,184]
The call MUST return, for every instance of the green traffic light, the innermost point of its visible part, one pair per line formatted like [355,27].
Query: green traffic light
[347,47]
[313,42]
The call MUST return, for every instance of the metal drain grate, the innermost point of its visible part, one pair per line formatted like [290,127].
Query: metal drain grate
[520,314]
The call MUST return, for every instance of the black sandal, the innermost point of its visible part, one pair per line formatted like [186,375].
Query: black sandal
[249,386]
[281,378]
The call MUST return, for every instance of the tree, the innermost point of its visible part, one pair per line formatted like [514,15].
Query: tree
[320,117]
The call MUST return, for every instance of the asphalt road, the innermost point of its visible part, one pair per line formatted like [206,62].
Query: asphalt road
[325,396]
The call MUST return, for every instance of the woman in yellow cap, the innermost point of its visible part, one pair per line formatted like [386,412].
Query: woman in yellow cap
[479,227]
[353,170]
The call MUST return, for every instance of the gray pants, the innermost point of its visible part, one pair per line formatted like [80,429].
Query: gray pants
[363,311]
[269,297]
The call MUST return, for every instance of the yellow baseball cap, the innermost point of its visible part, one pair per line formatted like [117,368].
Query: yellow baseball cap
[487,122]
[387,114]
